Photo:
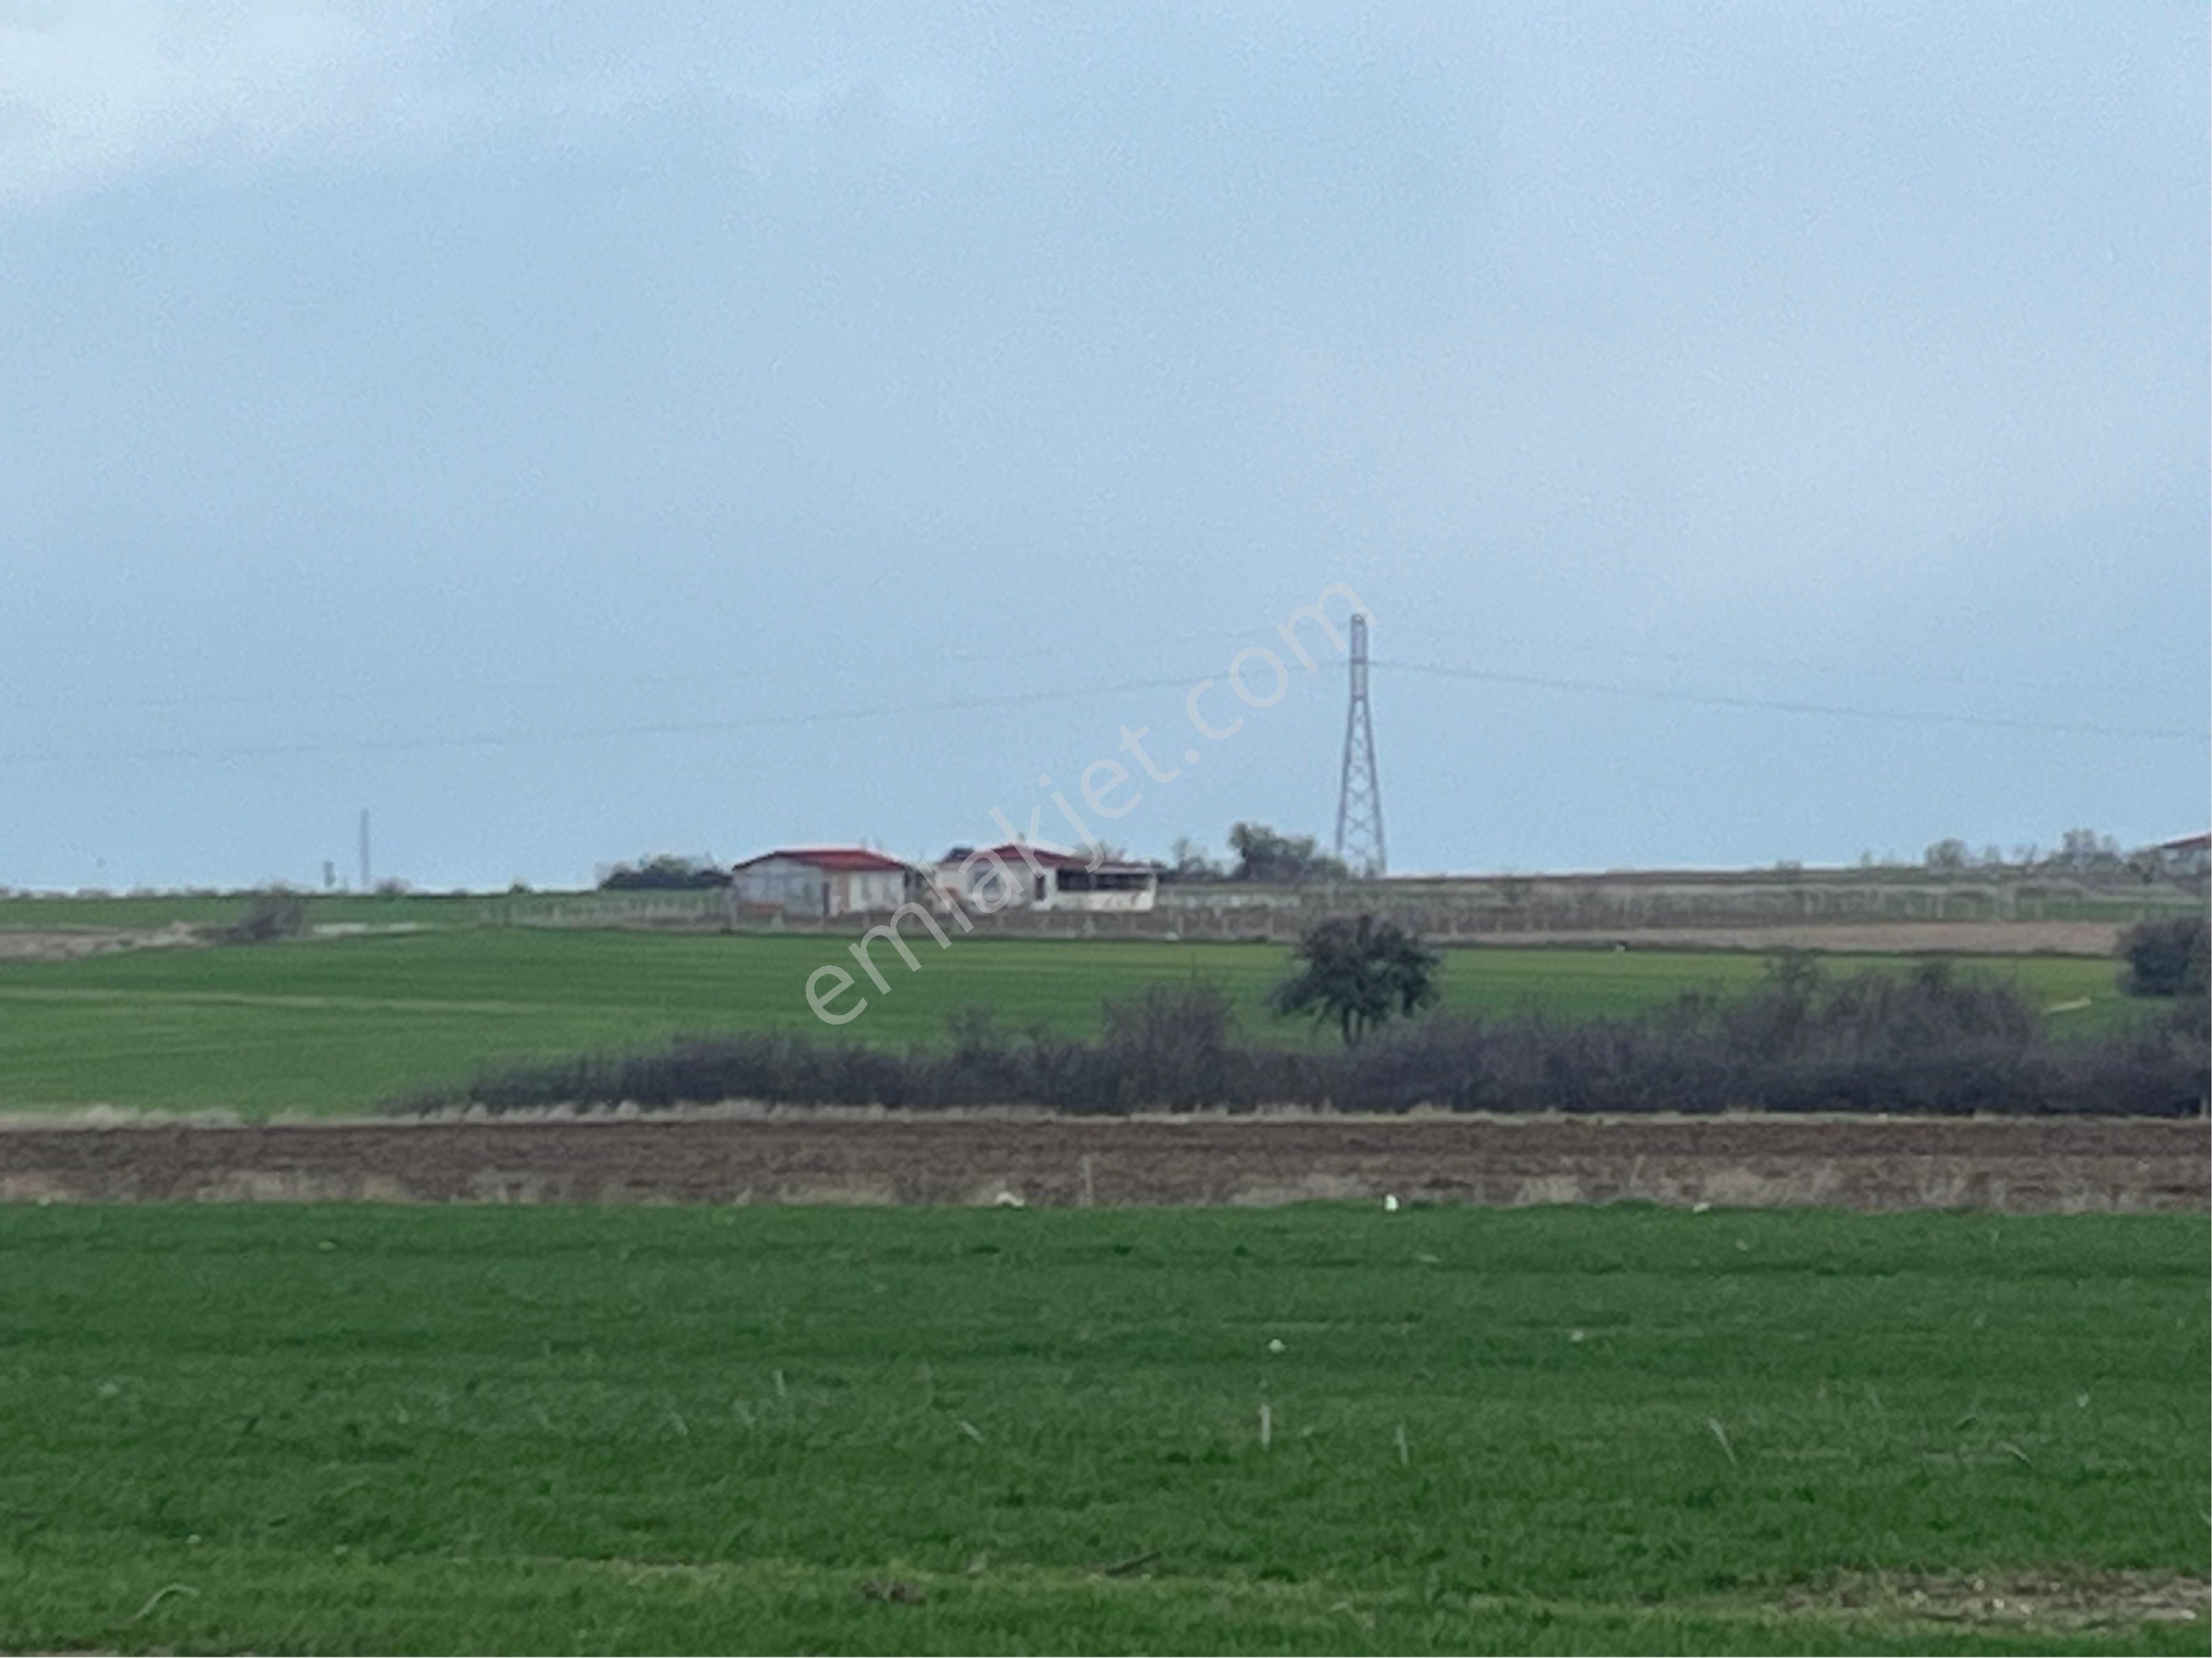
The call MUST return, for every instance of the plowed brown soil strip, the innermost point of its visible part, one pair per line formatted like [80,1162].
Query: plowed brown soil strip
[2053,1164]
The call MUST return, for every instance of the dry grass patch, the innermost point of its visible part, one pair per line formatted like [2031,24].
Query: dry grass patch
[2055,1599]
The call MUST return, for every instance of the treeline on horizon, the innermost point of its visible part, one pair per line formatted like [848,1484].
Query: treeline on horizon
[1259,854]
[1931,1042]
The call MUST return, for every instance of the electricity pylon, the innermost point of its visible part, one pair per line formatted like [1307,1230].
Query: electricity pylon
[1359,798]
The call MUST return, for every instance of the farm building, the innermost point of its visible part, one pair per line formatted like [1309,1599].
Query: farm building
[1017,877]
[821,881]
[2190,856]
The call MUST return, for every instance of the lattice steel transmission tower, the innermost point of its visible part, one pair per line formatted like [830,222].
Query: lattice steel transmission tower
[1359,798]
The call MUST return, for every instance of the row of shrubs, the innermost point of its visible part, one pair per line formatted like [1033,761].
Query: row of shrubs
[1932,1042]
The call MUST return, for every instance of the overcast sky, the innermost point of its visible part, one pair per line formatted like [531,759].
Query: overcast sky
[573,431]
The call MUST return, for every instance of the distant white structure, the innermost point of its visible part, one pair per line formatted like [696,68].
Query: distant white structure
[821,881]
[1015,876]
[2191,857]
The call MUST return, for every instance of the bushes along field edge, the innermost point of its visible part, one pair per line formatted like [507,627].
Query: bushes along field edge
[1932,1042]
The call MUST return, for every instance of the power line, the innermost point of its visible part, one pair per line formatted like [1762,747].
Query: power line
[1780,705]
[584,734]
[294,696]
[314,746]
[1708,659]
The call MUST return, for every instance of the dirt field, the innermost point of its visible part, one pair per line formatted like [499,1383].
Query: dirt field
[2049,1164]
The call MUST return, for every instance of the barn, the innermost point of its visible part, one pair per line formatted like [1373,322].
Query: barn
[821,881]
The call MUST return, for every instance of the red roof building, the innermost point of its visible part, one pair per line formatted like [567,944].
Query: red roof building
[837,860]
[820,882]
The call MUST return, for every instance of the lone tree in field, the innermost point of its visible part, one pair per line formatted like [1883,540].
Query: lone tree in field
[1356,975]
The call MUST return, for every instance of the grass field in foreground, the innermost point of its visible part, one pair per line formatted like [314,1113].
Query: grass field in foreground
[402,1429]
[337,1025]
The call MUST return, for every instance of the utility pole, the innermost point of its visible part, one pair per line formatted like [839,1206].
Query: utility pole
[1360,796]
[364,850]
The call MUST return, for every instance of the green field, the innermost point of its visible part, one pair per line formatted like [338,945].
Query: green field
[337,1025]
[402,1429]
[20,913]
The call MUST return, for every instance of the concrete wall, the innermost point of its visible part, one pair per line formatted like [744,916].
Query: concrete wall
[1135,903]
[1466,910]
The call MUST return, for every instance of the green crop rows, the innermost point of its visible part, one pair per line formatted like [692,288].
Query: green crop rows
[402,1430]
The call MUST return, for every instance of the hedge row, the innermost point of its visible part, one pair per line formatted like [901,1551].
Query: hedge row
[1929,1043]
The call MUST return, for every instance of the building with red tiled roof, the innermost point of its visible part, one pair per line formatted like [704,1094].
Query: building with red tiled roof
[821,881]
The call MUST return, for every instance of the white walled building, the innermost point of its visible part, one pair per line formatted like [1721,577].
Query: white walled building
[821,881]
[1013,876]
